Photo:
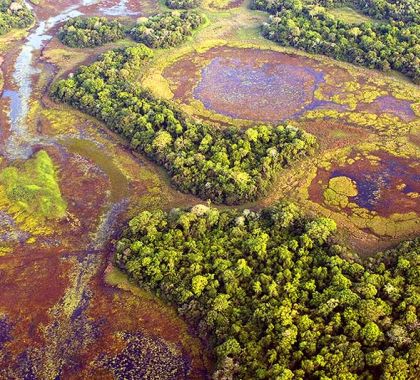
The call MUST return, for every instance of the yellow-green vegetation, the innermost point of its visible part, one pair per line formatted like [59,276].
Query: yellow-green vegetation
[339,190]
[199,165]
[349,15]
[11,37]
[360,87]
[31,193]
[264,286]
[216,4]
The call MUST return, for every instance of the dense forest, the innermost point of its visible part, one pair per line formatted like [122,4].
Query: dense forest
[382,45]
[14,14]
[227,166]
[182,4]
[167,29]
[81,32]
[397,10]
[275,298]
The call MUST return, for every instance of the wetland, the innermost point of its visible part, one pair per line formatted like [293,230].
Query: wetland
[238,124]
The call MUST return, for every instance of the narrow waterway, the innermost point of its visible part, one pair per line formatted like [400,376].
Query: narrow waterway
[73,318]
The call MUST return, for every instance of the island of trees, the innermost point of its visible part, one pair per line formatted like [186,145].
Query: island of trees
[273,295]
[167,29]
[225,165]
[389,44]
[82,32]
[14,14]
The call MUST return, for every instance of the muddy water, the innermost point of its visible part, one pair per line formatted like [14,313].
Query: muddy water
[22,76]
[88,149]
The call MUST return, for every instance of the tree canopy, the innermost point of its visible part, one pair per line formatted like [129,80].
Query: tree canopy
[14,14]
[392,44]
[167,29]
[227,165]
[81,32]
[182,4]
[275,297]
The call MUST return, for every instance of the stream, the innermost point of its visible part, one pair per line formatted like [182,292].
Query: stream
[19,146]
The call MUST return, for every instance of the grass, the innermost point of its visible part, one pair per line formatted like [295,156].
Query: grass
[349,15]
[33,188]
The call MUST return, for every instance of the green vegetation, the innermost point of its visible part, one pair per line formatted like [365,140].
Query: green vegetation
[384,46]
[167,29]
[276,299]
[227,166]
[339,190]
[14,14]
[407,11]
[81,32]
[33,189]
[349,15]
[182,4]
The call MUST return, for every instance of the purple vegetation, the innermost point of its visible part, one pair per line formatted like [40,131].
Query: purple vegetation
[269,86]
[229,86]
[373,181]
[147,357]
[389,104]
[5,330]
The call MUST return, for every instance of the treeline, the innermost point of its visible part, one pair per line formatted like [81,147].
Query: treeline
[167,29]
[275,298]
[82,32]
[397,10]
[225,165]
[182,4]
[14,14]
[163,30]
[384,46]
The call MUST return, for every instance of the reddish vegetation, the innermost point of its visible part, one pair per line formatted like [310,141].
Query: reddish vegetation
[27,294]
[247,83]
[384,187]
[50,7]
[332,134]
[119,311]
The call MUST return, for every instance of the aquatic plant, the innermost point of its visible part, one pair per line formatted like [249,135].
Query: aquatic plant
[32,189]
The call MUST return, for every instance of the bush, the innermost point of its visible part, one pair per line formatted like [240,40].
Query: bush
[182,4]
[384,46]
[14,14]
